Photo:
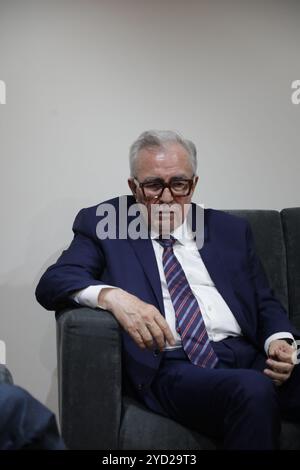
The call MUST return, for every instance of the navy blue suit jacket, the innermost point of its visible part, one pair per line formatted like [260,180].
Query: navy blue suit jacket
[228,253]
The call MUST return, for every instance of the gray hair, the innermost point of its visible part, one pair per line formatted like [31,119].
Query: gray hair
[155,138]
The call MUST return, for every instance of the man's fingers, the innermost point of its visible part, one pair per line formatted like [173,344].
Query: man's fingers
[281,367]
[156,334]
[286,357]
[278,371]
[148,336]
[159,331]
[276,376]
[166,329]
[142,321]
[137,337]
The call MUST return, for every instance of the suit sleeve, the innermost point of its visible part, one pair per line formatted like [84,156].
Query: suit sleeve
[272,317]
[78,267]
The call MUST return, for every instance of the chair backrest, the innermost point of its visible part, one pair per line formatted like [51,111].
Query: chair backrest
[269,239]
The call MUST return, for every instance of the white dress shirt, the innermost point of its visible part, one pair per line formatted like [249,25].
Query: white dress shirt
[218,318]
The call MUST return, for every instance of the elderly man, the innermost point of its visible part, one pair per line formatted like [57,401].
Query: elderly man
[205,341]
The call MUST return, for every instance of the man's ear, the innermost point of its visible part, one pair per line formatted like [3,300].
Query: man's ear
[195,183]
[132,186]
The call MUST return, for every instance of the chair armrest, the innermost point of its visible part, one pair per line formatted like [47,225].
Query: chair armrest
[89,378]
[5,375]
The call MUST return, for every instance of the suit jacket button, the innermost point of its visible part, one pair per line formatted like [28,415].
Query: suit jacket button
[140,386]
[156,352]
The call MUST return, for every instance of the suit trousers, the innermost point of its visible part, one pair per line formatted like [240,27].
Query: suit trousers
[234,402]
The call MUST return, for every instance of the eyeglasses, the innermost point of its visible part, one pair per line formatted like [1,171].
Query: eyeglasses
[179,187]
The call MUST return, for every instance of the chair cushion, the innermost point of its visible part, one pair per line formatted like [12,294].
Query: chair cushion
[141,429]
[290,436]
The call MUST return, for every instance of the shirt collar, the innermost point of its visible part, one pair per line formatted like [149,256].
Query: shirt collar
[183,233]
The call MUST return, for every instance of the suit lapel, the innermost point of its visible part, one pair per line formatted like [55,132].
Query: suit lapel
[146,256]
[144,251]
[212,259]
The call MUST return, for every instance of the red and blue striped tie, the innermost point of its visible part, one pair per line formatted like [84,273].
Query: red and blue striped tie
[189,321]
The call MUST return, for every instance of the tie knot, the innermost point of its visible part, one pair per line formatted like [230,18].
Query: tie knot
[166,242]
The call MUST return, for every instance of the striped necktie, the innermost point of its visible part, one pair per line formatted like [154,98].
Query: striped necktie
[189,321]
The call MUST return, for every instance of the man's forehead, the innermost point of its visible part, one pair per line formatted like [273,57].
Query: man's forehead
[168,149]
[161,158]
[175,176]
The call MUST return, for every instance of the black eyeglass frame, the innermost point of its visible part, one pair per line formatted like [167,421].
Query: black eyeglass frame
[165,185]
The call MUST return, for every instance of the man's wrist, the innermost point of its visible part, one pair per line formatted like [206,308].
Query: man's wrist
[291,342]
[104,298]
[281,335]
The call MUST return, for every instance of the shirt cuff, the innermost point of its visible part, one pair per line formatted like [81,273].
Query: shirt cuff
[89,296]
[281,335]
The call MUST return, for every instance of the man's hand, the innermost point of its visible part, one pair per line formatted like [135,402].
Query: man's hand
[142,321]
[280,361]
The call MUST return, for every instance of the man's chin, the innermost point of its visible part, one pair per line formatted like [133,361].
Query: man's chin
[164,219]
[164,225]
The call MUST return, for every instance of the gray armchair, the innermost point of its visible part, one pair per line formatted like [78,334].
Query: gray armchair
[99,411]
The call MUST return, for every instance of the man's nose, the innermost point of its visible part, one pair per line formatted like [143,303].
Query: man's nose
[166,196]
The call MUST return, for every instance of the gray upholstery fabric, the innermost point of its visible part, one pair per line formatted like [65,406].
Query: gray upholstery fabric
[5,375]
[141,429]
[89,377]
[94,411]
[290,436]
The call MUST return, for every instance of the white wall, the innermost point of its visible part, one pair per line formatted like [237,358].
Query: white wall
[84,78]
